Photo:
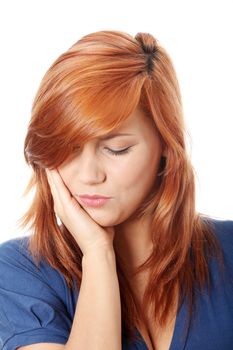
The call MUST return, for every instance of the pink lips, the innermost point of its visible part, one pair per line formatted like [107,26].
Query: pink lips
[94,201]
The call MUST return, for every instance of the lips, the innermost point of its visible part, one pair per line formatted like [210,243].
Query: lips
[96,196]
[94,201]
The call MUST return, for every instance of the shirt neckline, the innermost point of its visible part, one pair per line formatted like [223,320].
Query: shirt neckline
[180,334]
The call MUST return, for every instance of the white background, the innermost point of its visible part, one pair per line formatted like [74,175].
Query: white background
[197,35]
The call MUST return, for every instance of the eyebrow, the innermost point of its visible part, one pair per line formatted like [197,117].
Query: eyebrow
[111,136]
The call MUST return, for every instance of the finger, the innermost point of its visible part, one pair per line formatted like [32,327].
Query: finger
[61,191]
[52,189]
[63,198]
[51,182]
[48,176]
[48,172]
[66,200]
[72,215]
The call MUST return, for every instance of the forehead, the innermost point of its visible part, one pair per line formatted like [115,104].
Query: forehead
[137,122]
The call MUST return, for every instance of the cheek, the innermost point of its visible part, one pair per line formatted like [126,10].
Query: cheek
[66,175]
[137,174]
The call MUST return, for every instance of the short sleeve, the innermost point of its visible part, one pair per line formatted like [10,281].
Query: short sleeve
[31,311]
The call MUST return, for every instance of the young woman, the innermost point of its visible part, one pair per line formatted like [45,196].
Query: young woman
[118,257]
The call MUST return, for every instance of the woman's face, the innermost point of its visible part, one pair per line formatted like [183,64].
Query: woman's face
[127,178]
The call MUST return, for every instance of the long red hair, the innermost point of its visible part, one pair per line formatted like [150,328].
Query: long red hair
[88,91]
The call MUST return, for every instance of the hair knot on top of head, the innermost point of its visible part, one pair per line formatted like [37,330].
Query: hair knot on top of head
[150,48]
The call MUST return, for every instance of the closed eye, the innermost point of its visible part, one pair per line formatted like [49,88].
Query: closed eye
[109,150]
[119,152]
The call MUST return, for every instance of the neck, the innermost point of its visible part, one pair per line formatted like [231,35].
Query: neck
[133,242]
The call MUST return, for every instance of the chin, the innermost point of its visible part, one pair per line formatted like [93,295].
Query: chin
[106,222]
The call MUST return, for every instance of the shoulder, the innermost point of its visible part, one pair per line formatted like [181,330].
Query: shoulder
[35,304]
[13,244]
[17,261]
[18,271]
[214,314]
[15,258]
[15,251]
[223,230]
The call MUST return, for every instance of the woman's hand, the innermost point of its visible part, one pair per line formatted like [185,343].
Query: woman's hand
[90,236]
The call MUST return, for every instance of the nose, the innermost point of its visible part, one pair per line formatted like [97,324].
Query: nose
[89,168]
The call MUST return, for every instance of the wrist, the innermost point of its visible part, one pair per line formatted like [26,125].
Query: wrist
[99,254]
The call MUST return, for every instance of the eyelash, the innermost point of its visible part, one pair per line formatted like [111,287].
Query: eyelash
[111,151]
[118,153]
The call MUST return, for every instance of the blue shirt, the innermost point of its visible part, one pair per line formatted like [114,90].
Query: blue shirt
[37,306]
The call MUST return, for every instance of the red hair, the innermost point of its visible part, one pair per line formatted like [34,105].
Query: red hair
[87,92]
